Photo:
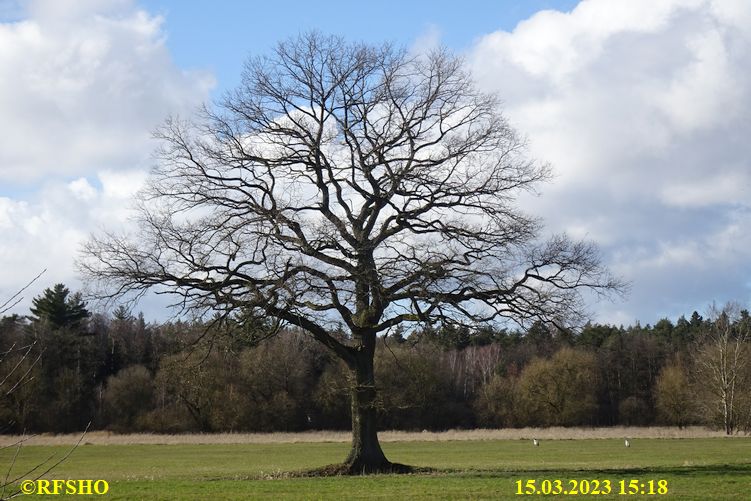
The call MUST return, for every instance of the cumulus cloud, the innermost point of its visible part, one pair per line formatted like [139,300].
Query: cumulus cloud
[642,107]
[46,230]
[82,85]
[644,110]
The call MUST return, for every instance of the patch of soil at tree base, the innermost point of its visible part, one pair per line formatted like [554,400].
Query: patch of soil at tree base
[341,469]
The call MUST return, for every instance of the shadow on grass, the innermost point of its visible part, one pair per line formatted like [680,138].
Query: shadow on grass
[343,469]
[336,470]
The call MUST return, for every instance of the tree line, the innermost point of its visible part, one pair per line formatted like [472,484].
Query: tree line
[120,373]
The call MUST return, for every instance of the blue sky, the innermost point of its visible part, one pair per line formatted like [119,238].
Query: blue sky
[221,36]
[642,108]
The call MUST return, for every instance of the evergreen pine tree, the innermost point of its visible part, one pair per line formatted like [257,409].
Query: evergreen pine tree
[58,307]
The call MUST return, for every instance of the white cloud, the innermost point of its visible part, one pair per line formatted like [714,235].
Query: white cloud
[702,94]
[46,231]
[81,189]
[719,188]
[429,39]
[121,184]
[82,85]
[644,110]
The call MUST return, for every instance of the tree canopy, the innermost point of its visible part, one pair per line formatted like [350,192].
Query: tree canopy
[56,306]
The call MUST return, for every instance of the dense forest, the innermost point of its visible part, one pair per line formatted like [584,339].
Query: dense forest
[62,367]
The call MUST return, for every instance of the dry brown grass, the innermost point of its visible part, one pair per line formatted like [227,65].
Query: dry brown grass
[108,438]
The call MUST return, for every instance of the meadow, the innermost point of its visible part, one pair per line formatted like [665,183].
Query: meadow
[463,467]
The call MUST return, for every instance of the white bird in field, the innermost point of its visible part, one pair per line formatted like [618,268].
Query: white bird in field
[535,442]
[627,443]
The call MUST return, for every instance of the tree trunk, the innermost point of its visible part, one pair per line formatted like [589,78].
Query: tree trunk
[366,455]
[727,417]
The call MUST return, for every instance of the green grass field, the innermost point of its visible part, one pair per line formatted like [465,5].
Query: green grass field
[700,468]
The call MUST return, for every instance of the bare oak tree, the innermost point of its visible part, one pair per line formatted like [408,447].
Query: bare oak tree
[349,184]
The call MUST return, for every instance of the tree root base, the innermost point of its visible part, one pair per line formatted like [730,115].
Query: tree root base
[342,469]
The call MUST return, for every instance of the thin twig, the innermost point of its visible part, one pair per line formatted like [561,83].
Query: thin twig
[17,298]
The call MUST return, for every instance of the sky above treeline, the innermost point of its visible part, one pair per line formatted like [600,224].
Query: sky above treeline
[642,108]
